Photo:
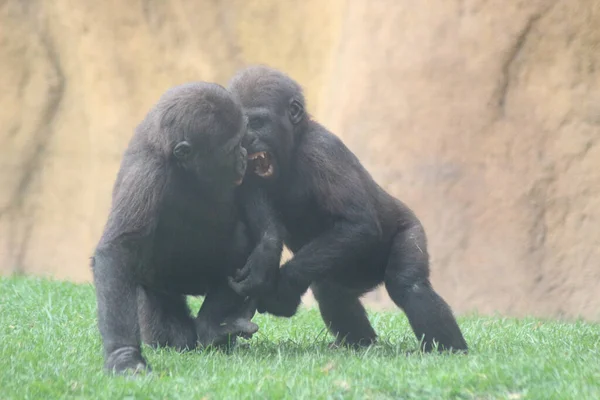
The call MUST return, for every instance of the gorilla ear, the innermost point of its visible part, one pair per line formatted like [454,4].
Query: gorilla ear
[182,150]
[296,111]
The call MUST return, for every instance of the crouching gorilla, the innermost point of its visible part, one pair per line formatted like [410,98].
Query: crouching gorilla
[174,230]
[347,234]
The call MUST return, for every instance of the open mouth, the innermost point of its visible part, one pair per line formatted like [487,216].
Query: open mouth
[260,163]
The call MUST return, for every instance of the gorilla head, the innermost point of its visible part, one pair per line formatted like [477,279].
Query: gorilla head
[202,126]
[274,105]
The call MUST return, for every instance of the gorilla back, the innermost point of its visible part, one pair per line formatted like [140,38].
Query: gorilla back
[173,229]
[347,234]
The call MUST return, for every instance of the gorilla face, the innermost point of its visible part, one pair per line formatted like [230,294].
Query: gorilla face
[224,164]
[270,137]
[212,133]
[263,141]
[274,106]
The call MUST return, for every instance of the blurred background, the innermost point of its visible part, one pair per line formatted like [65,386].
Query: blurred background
[482,115]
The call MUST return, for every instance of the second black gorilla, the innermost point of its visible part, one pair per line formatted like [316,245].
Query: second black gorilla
[347,234]
[174,229]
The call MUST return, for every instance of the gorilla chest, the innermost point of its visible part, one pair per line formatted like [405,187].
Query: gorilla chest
[189,247]
[302,219]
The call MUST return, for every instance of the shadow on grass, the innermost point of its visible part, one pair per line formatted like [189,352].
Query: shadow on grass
[267,349]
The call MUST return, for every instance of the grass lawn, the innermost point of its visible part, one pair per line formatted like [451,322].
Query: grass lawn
[50,348]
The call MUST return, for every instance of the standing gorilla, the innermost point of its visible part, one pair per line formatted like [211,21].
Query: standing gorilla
[347,234]
[174,230]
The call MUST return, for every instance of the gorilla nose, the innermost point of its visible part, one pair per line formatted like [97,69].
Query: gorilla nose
[249,140]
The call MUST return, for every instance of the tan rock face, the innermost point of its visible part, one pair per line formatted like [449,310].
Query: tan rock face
[484,116]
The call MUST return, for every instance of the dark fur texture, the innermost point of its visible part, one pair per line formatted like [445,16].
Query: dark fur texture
[347,234]
[174,230]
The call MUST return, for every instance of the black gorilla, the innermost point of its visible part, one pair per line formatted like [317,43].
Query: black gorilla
[174,230]
[347,234]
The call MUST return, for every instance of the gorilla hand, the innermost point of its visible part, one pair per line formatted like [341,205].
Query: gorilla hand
[126,360]
[282,302]
[257,277]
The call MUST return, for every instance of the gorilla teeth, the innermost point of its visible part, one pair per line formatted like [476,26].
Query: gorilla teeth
[262,155]
[261,163]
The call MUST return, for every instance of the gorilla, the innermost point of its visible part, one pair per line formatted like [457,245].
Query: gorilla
[174,229]
[346,233]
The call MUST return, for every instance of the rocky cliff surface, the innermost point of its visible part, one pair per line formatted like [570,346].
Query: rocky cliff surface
[484,116]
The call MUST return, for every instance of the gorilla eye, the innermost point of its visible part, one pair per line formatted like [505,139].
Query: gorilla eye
[296,111]
[182,150]
[256,123]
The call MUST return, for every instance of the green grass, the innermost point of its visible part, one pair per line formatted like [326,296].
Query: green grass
[50,348]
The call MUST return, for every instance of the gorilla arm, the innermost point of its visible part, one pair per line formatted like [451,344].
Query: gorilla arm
[344,198]
[117,260]
[259,274]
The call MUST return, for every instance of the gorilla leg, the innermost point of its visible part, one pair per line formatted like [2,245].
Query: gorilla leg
[343,314]
[407,282]
[224,316]
[165,320]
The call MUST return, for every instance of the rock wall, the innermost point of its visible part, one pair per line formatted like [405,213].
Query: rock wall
[484,116]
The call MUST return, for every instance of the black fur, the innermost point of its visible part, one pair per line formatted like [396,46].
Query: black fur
[347,234]
[174,230]
[259,274]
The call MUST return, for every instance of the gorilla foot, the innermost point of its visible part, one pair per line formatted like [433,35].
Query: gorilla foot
[226,333]
[239,327]
[178,337]
[126,360]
